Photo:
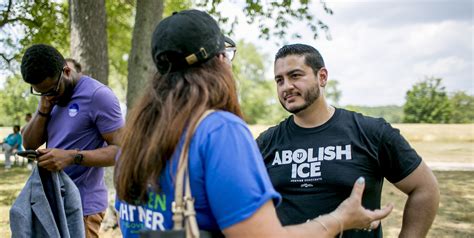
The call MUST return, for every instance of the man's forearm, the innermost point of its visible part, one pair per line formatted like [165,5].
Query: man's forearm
[34,135]
[419,213]
[102,157]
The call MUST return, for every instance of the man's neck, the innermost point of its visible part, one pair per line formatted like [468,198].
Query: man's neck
[75,78]
[315,115]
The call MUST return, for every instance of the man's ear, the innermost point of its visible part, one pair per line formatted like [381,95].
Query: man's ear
[67,71]
[221,57]
[323,76]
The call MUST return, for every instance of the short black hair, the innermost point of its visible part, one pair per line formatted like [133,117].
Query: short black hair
[39,62]
[16,127]
[312,56]
[77,65]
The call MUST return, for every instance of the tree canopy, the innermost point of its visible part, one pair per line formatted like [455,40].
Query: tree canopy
[25,22]
[428,102]
[257,94]
[462,105]
[15,101]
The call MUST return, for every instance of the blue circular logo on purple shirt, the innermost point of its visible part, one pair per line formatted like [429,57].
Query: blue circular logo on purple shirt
[73,109]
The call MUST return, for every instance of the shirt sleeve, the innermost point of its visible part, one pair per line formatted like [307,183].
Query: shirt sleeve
[237,183]
[397,158]
[106,111]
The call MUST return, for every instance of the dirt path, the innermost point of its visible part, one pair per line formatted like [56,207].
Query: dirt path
[451,166]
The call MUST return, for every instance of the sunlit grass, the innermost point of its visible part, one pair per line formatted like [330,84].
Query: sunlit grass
[455,216]
[436,143]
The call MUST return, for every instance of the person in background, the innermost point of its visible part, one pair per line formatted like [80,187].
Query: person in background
[27,117]
[79,119]
[74,65]
[11,144]
[314,155]
[231,189]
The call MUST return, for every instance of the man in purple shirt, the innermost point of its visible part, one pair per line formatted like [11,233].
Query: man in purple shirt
[78,118]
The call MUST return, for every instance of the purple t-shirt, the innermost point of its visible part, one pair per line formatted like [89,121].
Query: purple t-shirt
[93,110]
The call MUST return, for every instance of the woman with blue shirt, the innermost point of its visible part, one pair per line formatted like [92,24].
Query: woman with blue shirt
[13,142]
[232,191]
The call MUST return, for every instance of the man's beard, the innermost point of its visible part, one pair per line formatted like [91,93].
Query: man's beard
[309,96]
[66,97]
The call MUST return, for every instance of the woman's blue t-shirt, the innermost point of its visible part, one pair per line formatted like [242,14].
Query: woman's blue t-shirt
[229,181]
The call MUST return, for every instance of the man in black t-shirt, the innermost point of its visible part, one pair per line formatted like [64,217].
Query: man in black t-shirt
[315,155]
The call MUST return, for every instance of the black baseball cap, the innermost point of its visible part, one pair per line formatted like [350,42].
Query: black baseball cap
[185,39]
[229,42]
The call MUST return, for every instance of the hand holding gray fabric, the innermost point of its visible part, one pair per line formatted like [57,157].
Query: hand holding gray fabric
[32,213]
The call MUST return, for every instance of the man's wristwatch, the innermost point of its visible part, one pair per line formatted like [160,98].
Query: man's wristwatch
[78,158]
[42,113]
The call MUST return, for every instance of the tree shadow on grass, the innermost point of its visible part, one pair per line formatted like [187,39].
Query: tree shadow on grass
[11,183]
[455,217]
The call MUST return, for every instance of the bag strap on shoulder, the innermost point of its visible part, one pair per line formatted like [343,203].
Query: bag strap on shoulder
[183,206]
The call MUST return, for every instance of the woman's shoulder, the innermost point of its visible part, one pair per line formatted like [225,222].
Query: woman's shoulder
[220,118]
[222,122]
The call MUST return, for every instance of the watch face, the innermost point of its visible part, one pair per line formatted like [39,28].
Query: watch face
[78,158]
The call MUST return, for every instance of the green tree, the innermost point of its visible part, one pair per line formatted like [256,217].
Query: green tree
[256,12]
[427,102]
[44,21]
[462,105]
[140,63]
[176,6]
[16,101]
[391,113]
[88,21]
[332,92]
[256,93]
[119,32]
[284,14]
[25,22]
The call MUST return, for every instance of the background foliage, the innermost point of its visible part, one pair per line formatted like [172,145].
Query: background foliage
[428,102]
[25,22]
[16,102]
[391,113]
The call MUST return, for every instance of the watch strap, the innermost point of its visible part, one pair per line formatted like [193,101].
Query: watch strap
[42,113]
[78,158]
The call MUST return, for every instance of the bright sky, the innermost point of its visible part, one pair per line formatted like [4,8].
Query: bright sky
[379,49]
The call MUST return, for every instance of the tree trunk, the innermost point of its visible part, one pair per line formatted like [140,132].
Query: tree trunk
[89,37]
[89,47]
[140,63]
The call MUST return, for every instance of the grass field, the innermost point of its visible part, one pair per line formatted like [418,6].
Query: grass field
[455,216]
[435,143]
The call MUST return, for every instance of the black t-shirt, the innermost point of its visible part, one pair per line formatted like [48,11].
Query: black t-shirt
[314,169]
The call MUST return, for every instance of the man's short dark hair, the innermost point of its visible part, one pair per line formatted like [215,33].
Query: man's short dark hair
[77,65]
[40,62]
[312,56]
[16,127]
